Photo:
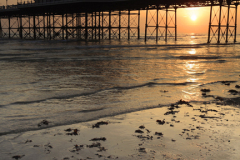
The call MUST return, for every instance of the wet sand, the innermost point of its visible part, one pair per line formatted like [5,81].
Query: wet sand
[201,130]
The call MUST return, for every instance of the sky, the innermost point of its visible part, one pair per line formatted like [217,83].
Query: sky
[189,20]
[193,20]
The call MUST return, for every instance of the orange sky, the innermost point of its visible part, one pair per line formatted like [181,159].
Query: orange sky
[194,20]
[184,22]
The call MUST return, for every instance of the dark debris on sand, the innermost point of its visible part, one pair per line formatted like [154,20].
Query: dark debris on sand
[171,112]
[182,102]
[99,139]
[145,137]
[219,98]
[18,157]
[142,127]
[27,141]
[77,148]
[138,131]
[74,131]
[148,131]
[204,116]
[227,82]
[205,90]
[206,110]
[142,150]
[159,133]
[48,148]
[101,149]
[43,122]
[94,145]
[173,106]
[97,125]
[161,122]
[233,92]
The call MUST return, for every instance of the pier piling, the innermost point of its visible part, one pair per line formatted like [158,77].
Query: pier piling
[111,20]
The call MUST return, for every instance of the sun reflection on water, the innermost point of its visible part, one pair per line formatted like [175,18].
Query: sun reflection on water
[192,51]
[192,79]
[194,71]
[192,68]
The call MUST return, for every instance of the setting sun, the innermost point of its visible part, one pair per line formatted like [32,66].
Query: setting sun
[193,17]
[193,20]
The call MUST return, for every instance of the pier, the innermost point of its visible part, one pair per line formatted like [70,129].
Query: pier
[112,19]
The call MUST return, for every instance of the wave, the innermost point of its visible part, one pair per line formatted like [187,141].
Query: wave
[111,114]
[198,57]
[21,54]
[97,46]
[41,49]
[141,45]
[149,84]
[24,59]
[111,46]
[15,131]
[223,82]
[91,110]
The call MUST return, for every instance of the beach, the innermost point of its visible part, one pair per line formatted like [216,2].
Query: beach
[65,100]
[180,131]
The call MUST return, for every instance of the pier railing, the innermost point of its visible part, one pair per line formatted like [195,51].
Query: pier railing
[181,4]
[52,2]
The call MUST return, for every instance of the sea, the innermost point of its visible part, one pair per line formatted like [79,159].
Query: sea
[71,81]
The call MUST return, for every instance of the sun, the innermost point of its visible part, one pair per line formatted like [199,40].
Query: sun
[193,17]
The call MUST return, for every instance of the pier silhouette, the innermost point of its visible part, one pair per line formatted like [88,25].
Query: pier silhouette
[111,19]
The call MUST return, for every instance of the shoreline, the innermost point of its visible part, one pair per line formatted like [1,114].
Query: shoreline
[180,131]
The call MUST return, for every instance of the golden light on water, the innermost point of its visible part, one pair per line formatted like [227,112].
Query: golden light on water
[192,51]
[194,71]
[192,79]
[191,67]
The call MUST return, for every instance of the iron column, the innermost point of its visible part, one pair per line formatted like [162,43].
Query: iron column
[210,24]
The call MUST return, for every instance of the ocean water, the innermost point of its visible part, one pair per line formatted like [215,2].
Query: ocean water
[67,82]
